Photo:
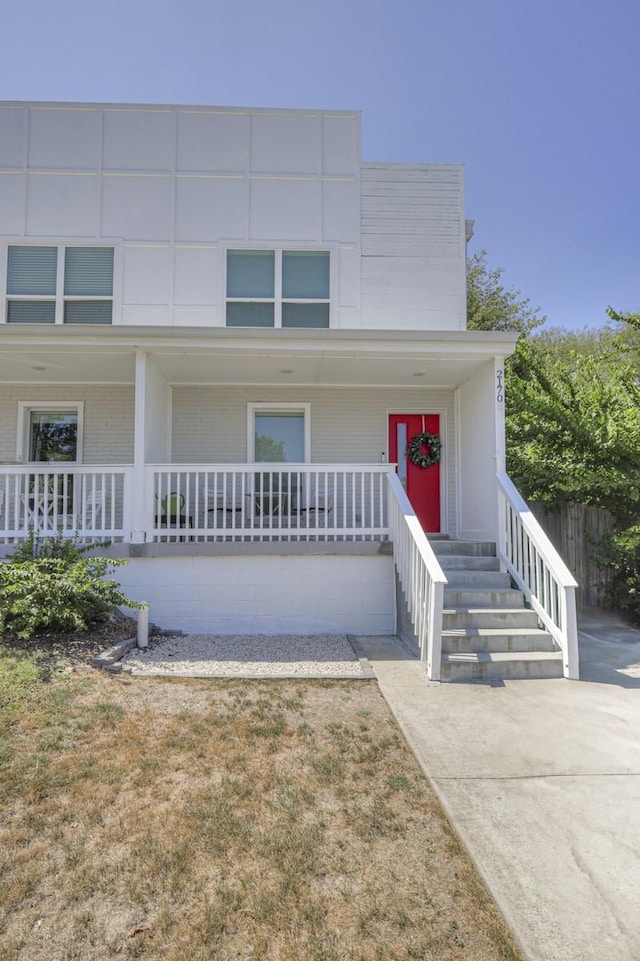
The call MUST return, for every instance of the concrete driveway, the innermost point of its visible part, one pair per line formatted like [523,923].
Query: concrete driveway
[542,781]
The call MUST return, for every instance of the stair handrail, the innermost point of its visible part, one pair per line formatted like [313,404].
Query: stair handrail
[539,571]
[421,577]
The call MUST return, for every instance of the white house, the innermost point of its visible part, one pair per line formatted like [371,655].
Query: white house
[220,331]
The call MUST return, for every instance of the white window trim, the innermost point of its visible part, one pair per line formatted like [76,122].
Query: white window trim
[59,297]
[25,407]
[277,300]
[266,408]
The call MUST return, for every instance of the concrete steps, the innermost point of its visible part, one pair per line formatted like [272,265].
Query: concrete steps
[467,597]
[478,640]
[490,580]
[501,665]
[487,632]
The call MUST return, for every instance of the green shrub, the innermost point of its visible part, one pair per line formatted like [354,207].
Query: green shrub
[56,545]
[49,585]
[621,561]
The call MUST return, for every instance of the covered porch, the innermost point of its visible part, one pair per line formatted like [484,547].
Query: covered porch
[168,443]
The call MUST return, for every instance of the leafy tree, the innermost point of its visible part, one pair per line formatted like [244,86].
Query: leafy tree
[573,423]
[573,435]
[491,306]
[633,320]
[573,417]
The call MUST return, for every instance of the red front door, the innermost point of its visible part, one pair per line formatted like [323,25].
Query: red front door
[422,484]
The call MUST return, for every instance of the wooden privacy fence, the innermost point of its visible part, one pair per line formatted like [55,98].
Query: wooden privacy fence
[576,531]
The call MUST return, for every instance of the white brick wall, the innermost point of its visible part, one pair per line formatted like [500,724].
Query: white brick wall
[348,426]
[108,419]
[271,594]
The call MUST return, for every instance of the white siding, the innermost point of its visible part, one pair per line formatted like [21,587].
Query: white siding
[174,186]
[348,426]
[413,247]
[108,419]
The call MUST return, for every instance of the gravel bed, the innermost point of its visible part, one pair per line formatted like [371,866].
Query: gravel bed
[257,655]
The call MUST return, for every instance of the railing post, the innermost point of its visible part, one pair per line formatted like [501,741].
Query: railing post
[434,633]
[141,504]
[127,504]
[571,659]
[502,522]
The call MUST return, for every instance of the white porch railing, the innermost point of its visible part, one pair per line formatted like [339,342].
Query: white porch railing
[420,575]
[89,502]
[266,502]
[539,571]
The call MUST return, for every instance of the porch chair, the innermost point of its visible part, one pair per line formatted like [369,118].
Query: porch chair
[92,509]
[276,494]
[227,506]
[314,506]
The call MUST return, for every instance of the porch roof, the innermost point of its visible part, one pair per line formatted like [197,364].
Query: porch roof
[196,355]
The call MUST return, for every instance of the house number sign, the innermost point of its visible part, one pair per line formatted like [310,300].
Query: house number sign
[500,386]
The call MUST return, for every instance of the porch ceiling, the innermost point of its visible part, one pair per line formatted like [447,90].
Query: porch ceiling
[322,358]
[316,370]
[71,365]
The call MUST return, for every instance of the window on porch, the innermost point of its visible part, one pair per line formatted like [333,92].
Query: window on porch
[279,437]
[53,435]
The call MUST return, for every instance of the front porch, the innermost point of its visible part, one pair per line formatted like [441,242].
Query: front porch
[168,450]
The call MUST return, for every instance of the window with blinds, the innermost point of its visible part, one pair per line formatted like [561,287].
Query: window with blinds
[278,288]
[66,285]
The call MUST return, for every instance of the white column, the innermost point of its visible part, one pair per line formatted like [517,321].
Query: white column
[480,447]
[138,486]
[152,434]
[501,464]
[499,377]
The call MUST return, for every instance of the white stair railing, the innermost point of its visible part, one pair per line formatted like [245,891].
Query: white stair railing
[421,577]
[539,571]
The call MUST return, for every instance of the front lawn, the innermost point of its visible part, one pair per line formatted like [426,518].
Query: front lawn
[188,820]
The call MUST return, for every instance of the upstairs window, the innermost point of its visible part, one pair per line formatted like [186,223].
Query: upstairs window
[59,285]
[278,288]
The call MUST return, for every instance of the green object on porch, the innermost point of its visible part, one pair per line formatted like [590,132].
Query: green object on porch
[172,504]
[172,511]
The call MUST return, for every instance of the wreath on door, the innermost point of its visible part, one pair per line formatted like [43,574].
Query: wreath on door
[415,451]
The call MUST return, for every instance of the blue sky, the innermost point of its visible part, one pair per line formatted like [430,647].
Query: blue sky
[540,99]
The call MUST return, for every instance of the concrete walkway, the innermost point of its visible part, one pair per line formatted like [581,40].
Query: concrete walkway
[542,781]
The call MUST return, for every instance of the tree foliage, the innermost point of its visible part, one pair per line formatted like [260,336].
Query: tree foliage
[573,423]
[573,435]
[573,418]
[491,306]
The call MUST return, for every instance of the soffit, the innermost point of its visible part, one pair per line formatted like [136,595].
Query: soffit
[329,358]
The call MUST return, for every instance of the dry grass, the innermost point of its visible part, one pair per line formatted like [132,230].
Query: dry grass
[193,821]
